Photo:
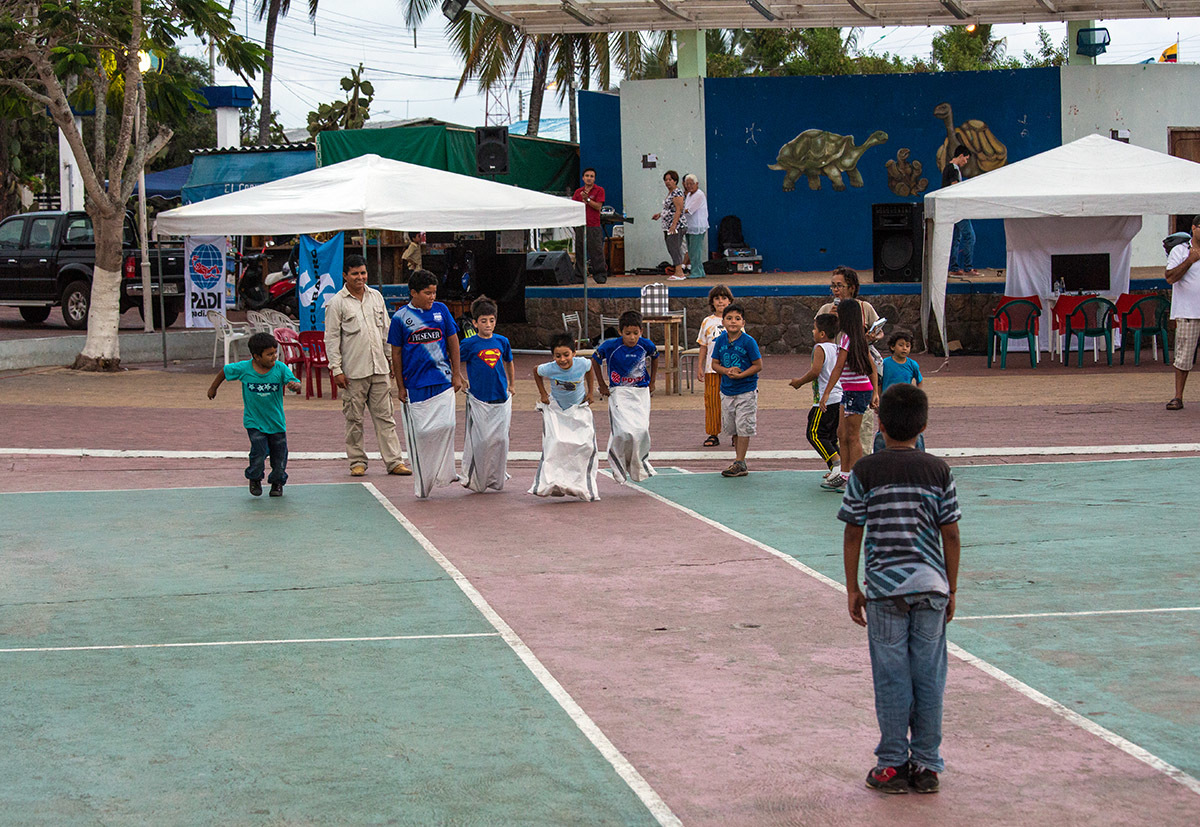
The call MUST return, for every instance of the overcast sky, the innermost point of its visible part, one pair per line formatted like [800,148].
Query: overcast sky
[417,79]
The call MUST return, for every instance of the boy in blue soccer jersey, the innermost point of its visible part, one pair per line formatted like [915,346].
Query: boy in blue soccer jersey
[488,362]
[632,362]
[899,369]
[736,357]
[906,501]
[263,381]
[425,361]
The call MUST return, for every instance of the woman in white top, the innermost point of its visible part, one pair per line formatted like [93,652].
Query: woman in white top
[695,205]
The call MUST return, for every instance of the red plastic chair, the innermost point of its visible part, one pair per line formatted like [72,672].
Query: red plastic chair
[313,342]
[291,352]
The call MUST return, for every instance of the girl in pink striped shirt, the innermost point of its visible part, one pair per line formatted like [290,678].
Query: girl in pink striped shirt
[855,369]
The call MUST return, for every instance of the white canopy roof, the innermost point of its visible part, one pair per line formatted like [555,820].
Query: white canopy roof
[1093,176]
[553,16]
[373,193]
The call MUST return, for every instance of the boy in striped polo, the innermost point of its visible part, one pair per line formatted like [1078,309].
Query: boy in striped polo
[904,499]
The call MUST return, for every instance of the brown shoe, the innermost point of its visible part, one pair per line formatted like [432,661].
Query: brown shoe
[1175,404]
[358,470]
[400,470]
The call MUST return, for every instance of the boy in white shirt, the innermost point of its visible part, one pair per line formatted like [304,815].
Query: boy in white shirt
[823,424]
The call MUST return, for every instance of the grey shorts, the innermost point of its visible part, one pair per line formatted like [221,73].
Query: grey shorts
[1187,331]
[739,413]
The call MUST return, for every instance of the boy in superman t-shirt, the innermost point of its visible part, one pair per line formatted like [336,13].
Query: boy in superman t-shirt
[488,362]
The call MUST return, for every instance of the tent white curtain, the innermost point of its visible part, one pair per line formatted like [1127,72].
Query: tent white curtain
[377,193]
[1093,176]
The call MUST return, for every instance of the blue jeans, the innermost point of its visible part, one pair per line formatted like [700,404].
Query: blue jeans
[880,445]
[962,248]
[262,445]
[908,663]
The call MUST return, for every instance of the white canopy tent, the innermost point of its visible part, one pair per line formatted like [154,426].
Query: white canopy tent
[1093,176]
[376,193]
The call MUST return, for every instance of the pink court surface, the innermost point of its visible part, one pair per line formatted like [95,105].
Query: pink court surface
[679,652]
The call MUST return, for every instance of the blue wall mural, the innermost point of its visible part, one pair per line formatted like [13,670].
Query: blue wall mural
[840,133]
[600,142]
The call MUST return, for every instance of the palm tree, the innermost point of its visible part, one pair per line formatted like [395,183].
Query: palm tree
[494,53]
[271,10]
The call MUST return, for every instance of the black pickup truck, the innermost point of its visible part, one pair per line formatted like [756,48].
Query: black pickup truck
[47,258]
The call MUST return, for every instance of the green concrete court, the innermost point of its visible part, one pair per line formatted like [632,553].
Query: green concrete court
[435,729]
[1111,537]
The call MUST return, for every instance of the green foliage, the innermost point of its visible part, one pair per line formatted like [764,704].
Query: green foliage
[1047,54]
[351,113]
[957,49]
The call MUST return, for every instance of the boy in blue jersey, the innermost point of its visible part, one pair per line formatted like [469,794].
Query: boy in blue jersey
[905,500]
[899,369]
[425,361]
[632,362]
[736,357]
[263,380]
[488,362]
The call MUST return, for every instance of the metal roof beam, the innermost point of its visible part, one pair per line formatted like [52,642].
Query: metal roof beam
[673,10]
[956,9]
[1048,5]
[863,10]
[492,11]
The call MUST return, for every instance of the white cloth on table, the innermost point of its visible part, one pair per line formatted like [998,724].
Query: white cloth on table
[570,458]
[485,449]
[429,429]
[629,436]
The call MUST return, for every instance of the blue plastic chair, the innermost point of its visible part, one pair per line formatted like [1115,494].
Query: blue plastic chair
[1013,319]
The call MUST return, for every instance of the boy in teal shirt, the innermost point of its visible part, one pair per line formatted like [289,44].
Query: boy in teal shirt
[263,380]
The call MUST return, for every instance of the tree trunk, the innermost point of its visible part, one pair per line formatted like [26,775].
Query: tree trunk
[541,66]
[102,351]
[264,116]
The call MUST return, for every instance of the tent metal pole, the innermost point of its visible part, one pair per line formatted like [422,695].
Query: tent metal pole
[162,302]
[585,281]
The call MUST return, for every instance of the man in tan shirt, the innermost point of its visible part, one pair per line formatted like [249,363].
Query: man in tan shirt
[356,327]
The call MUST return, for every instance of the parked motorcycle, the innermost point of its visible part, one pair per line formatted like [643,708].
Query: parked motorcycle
[258,289]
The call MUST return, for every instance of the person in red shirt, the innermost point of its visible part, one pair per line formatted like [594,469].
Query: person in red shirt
[592,195]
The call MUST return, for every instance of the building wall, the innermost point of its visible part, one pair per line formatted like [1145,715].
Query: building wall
[750,120]
[1147,100]
[663,118]
[600,142]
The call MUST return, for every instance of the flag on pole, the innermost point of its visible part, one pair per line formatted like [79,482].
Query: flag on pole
[319,278]
[1170,54]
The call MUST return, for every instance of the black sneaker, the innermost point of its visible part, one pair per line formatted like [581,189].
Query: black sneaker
[891,780]
[922,780]
[256,487]
[276,489]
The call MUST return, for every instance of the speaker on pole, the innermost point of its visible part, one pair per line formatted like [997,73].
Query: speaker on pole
[549,268]
[898,241]
[491,150]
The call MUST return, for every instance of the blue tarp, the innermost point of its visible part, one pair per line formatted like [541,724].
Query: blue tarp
[167,183]
[226,172]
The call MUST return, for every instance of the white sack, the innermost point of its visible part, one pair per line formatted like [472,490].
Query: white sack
[429,429]
[485,450]
[629,437]
[569,455]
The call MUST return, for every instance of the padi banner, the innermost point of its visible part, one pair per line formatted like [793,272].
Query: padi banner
[205,256]
[320,278]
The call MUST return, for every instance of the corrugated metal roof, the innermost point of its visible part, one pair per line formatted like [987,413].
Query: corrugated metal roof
[549,16]
[307,146]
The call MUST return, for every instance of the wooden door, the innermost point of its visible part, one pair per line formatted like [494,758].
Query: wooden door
[1183,142]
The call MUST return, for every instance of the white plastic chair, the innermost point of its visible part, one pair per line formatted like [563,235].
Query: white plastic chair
[278,319]
[227,332]
[574,328]
[258,322]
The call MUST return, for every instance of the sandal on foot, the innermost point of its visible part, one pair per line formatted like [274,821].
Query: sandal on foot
[1175,404]
[712,441]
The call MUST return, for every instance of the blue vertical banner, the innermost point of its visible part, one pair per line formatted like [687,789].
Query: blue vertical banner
[320,278]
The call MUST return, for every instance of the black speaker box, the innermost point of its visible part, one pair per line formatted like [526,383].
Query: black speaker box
[491,150]
[549,268]
[897,241]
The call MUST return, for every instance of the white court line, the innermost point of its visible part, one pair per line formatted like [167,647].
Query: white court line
[120,646]
[1081,721]
[657,807]
[1082,614]
[655,456]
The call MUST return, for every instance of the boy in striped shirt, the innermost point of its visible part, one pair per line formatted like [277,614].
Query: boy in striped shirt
[904,500]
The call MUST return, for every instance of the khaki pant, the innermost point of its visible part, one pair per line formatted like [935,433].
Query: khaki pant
[375,394]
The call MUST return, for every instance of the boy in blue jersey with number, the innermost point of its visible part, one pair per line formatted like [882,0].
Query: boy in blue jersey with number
[736,357]
[899,369]
[632,362]
[425,362]
[263,380]
[488,361]
[905,503]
